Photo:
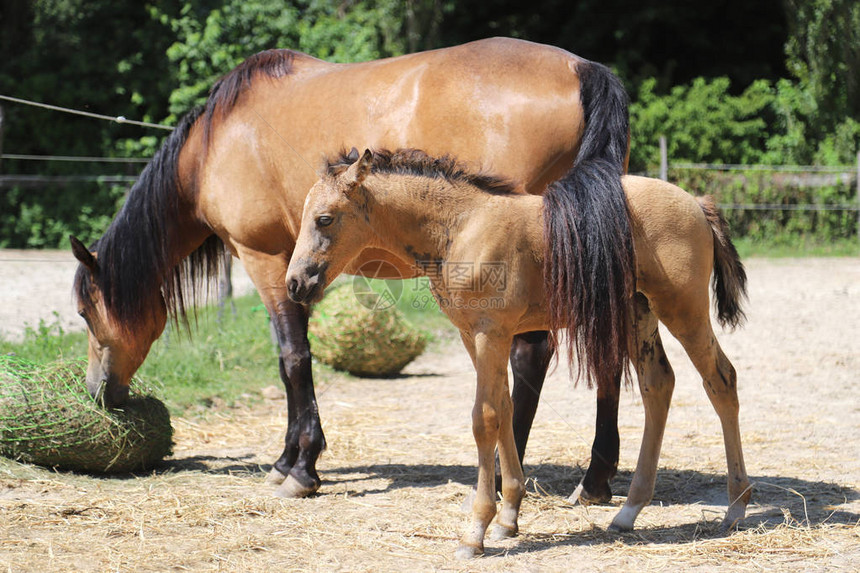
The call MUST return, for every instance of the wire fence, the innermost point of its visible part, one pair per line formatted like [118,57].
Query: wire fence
[776,189]
[813,176]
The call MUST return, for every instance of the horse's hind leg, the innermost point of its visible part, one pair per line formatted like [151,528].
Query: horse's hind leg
[530,356]
[656,384]
[594,487]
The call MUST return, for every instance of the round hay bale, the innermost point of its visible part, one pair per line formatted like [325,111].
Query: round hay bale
[48,418]
[349,336]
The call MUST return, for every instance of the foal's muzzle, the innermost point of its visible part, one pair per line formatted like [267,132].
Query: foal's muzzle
[306,286]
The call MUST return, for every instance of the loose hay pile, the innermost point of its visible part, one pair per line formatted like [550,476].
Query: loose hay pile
[48,418]
[364,342]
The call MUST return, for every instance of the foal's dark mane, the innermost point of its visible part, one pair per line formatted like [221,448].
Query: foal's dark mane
[418,163]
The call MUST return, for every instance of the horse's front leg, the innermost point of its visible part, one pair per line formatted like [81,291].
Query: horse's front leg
[491,426]
[295,471]
[304,440]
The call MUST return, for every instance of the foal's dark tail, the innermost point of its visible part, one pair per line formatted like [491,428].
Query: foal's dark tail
[730,278]
[588,258]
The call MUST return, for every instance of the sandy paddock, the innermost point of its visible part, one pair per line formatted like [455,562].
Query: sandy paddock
[401,459]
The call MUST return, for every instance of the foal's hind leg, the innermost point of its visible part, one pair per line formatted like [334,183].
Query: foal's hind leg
[656,384]
[720,381]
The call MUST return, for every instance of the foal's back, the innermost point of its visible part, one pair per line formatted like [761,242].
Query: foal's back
[673,244]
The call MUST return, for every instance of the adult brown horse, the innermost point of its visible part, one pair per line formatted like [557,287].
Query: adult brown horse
[238,170]
[407,202]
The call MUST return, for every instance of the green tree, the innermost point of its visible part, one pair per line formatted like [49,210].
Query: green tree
[823,53]
[702,122]
[96,55]
[213,37]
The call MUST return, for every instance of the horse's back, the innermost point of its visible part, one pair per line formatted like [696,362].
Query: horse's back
[500,105]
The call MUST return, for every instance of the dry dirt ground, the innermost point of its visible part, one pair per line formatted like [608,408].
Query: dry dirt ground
[401,460]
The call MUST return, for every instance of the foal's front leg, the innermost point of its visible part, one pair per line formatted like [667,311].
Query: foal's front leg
[491,426]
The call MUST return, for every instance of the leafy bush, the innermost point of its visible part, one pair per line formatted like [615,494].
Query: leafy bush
[766,124]
[786,189]
[44,217]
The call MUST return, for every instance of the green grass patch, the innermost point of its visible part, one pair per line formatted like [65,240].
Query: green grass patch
[797,246]
[222,362]
[46,342]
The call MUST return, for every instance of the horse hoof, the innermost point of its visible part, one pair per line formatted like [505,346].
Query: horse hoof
[502,532]
[291,488]
[465,552]
[275,477]
[585,497]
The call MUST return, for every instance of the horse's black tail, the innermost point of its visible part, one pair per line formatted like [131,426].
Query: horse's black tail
[588,264]
[730,278]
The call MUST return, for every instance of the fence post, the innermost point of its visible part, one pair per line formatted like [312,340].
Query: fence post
[664,159]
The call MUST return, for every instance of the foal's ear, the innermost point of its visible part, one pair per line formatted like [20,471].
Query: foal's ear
[84,256]
[358,171]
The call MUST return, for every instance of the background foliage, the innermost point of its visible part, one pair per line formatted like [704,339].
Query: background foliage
[774,82]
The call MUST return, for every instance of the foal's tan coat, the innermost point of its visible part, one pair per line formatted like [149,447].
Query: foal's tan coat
[453,224]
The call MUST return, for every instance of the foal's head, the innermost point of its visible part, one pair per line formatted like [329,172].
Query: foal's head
[335,228]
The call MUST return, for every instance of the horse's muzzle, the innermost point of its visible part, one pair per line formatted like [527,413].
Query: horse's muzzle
[104,386]
[107,391]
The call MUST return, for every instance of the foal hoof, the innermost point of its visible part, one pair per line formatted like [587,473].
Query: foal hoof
[466,506]
[624,520]
[734,516]
[275,477]
[465,552]
[291,488]
[502,532]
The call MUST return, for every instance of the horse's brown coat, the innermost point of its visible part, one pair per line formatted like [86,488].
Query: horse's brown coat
[243,167]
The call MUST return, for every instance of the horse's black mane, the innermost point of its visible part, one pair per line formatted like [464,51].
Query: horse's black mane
[134,253]
[417,162]
[226,91]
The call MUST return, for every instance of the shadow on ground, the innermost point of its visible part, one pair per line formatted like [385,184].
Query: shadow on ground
[808,502]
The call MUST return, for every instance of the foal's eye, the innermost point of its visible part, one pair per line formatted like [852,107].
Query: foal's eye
[324,220]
